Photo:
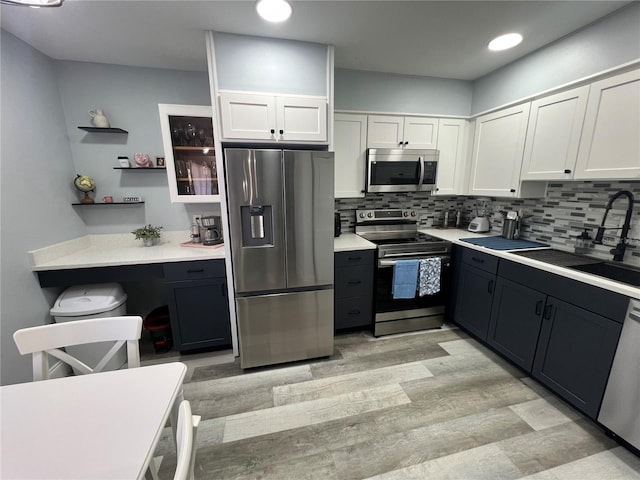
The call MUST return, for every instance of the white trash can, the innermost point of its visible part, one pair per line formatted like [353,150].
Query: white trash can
[92,301]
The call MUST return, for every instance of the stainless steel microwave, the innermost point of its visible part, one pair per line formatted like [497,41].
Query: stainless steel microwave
[401,170]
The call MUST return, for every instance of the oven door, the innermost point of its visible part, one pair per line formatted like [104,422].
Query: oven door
[406,314]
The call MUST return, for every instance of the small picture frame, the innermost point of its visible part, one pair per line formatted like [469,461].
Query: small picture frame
[160,162]
[124,162]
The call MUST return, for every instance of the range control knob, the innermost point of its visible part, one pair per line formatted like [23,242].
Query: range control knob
[413,213]
[361,214]
[406,214]
[369,214]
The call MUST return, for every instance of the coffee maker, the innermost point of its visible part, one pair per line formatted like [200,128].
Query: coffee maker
[212,230]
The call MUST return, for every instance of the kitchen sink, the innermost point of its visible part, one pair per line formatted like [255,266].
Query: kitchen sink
[612,271]
[556,257]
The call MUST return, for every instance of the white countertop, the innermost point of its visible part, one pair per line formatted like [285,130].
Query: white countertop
[119,249]
[455,236]
[347,242]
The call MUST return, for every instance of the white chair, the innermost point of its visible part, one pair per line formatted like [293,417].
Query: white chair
[185,445]
[49,339]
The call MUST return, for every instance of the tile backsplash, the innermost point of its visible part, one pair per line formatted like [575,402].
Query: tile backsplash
[556,219]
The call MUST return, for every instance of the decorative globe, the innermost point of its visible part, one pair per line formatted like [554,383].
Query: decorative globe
[85,184]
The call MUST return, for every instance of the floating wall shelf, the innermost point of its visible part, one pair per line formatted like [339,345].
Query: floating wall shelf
[103,203]
[103,130]
[162,169]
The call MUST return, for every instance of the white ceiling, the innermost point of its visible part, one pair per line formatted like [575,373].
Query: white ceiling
[432,38]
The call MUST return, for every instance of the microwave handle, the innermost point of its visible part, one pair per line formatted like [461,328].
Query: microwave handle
[421,179]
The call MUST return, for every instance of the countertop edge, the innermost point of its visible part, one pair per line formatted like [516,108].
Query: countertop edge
[456,236]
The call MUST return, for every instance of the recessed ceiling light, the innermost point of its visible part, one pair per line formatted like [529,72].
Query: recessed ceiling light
[504,42]
[33,3]
[273,10]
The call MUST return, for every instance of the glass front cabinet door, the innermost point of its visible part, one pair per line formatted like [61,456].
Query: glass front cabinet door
[190,157]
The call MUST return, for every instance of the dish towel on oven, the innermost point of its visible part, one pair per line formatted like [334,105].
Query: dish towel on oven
[405,278]
[429,276]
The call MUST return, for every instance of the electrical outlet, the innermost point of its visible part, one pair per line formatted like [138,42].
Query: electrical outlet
[196,218]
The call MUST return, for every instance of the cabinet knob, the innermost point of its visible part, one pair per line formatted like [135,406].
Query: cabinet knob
[513,190]
[273,130]
[567,171]
[406,143]
[281,132]
[400,143]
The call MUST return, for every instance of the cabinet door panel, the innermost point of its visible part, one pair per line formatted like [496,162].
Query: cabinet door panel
[301,119]
[475,294]
[451,162]
[420,132]
[497,152]
[516,316]
[191,165]
[385,131]
[610,147]
[199,314]
[574,354]
[350,147]
[247,116]
[553,135]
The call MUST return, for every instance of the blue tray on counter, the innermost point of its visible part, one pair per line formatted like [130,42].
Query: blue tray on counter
[501,243]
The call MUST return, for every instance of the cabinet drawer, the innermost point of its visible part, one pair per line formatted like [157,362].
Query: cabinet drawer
[194,270]
[356,257]
[353,281]
[353,312]
[483,261]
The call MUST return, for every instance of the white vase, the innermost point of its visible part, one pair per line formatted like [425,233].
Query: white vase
[148,241]
[99,119]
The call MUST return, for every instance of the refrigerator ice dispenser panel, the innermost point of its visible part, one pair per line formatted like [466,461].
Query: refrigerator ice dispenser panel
[257,225]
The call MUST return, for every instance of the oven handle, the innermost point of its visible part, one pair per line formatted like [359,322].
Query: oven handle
[446,259]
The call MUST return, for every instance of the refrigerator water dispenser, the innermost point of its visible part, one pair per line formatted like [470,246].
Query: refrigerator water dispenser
[257,230]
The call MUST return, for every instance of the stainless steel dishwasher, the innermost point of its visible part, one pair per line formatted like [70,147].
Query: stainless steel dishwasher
[619,411]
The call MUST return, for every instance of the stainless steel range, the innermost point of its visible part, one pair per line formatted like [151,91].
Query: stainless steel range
[395,232]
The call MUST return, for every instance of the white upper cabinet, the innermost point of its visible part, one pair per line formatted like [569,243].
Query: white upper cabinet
[553,135]
[498,147]
[452,137]
[273,118]
[350,147]
[610,144]
[386,131]
[189,150]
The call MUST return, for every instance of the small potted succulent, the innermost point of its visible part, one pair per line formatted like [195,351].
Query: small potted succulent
[149,234]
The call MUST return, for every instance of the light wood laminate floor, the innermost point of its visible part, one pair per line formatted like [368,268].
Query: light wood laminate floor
[429,405]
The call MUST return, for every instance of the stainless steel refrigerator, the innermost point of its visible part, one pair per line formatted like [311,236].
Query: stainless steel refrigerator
[280,205]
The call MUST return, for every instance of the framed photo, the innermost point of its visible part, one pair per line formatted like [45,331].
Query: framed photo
[160,162]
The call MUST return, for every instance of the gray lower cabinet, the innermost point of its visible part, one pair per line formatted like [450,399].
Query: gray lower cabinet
[575,352]
[475,288]
[197,296]
[353,295]
[516,317]
[567,344]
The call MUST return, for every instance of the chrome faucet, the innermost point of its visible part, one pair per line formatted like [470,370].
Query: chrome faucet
[618,251]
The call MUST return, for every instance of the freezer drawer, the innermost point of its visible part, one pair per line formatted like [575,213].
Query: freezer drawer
[285,327]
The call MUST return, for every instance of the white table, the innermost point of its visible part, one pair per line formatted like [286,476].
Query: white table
[104,425]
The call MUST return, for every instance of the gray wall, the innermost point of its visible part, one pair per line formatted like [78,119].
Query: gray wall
[36,191]
[270,65]
[385,92]
[130,97]
[610,42]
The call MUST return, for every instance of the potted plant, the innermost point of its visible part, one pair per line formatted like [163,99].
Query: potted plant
[149,234]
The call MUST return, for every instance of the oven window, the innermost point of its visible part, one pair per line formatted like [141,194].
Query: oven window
[386,303]
[394,173]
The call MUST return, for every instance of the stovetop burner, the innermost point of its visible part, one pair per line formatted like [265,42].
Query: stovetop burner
[395,232]
[417,238]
